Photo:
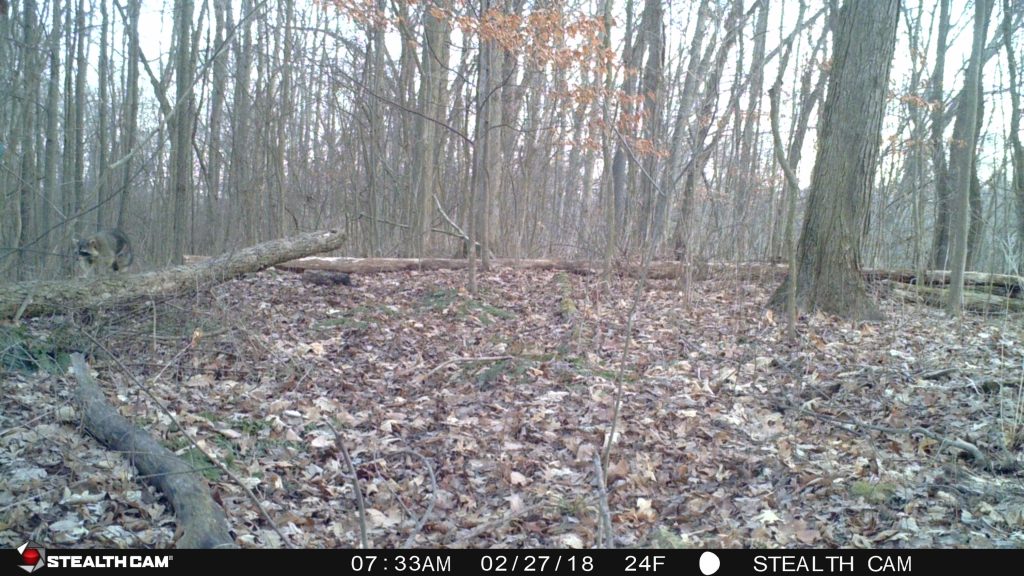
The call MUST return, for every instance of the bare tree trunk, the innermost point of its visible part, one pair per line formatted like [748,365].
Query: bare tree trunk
[911,182]
[51,197]
[976,225]
[28,177]
[809,98]
[214,154]
[674,168]
[828,275]
[653,28]
[70,200]
[243,197]
[1016,149]
[700,149]
[103,78]
[434,66]
[607,143]
[374,142]
[78,114]
[286,13]
[131,109]
[181,134]
[480,179]
[745,184]
[940,240]
[631,58]
[962,156]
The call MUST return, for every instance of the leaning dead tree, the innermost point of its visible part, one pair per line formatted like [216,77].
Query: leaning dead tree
[201,520]
[47,297]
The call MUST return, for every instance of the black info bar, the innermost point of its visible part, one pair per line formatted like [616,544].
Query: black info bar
[624,562]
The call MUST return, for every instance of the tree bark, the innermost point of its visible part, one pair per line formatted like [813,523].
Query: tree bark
[828,274]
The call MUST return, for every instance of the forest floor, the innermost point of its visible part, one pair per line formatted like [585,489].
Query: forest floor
[475,422]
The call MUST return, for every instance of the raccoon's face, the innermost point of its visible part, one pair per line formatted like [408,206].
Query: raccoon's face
[88,249]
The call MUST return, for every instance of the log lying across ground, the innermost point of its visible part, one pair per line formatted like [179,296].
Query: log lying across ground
[201,521]
[981,302]
[979,281]
[660,270]
[1000,284]
[987,293]
[48,297]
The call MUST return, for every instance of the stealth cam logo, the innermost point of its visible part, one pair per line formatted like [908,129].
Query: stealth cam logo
[33,556]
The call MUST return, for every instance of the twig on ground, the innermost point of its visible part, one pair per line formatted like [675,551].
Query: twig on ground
[355,485]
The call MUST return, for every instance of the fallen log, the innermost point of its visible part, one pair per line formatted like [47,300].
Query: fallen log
[660,270]
[1000,284]
[201,521]
[973,301]
[48,297]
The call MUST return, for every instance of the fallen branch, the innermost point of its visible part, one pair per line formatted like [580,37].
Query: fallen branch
[492,524]
[358,492]
[454,361]
[256,502]
[976,454]
[937,374]
[411,540]
[201,521]
[605,531]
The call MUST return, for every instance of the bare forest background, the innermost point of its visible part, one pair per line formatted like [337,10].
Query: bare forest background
[595,130]
[567,218]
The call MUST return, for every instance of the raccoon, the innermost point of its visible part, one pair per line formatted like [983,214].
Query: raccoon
[104,252]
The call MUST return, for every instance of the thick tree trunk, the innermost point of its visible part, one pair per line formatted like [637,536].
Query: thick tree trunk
[828,275]
[48,297]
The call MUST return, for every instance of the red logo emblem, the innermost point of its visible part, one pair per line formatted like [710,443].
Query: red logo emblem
[33,557]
